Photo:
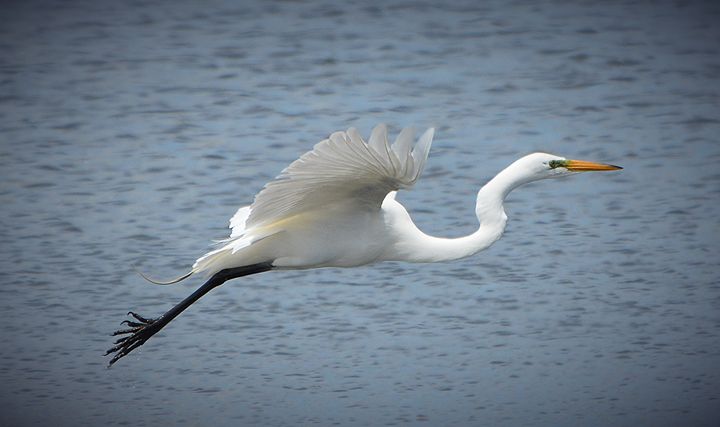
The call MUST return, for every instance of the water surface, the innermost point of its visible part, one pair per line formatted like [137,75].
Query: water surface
[132,132]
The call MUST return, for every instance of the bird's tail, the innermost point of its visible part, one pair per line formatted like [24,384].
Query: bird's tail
[209,263]
[169,282]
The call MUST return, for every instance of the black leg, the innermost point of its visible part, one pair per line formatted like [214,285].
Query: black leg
[141,329]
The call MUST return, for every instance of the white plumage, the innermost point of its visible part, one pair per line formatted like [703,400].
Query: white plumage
[342,176]
[335,207]
[342,169]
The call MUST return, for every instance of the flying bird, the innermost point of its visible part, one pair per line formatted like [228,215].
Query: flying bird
[335,207]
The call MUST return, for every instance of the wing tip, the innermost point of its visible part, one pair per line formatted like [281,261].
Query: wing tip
[430,132]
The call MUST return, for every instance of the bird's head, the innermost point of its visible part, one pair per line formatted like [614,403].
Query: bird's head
[543,165]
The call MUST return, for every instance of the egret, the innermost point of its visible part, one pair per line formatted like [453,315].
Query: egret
[335,207]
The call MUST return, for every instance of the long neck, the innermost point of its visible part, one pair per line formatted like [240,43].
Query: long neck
[490,213]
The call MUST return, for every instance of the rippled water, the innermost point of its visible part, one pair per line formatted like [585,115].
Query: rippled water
[132,132]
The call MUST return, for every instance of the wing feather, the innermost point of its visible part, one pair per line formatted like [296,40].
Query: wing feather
[420,152]
[341,169]
[401,148]
[237,222]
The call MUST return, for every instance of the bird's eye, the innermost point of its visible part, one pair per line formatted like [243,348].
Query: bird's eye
[556,164]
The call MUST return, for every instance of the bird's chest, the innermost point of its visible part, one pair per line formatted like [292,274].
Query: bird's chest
[332,238]
[357,242]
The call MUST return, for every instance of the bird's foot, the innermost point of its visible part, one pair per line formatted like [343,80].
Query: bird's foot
[140,331]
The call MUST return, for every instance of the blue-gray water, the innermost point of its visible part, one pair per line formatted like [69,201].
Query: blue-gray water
[130,133]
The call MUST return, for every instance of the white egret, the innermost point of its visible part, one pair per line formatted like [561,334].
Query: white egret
[335,207]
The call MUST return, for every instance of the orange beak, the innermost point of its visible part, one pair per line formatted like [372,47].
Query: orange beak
[585,166]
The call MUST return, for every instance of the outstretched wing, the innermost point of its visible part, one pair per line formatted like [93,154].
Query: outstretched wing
[342,169]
